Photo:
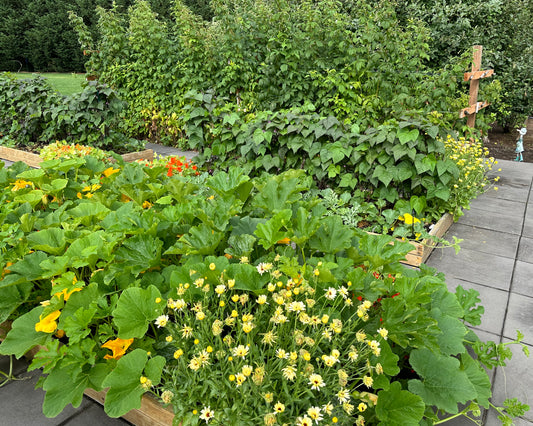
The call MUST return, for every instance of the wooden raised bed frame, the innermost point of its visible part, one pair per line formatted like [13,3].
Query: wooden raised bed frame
[33,160]
[422,250]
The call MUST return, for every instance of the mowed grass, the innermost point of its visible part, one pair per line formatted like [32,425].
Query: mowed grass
[64,83]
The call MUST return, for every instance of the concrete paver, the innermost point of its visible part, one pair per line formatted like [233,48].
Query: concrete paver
[519,317]
[502,222]
[522,278]
[474,266]
[502,206]
[503,275]
[21,405]
[525,250]
[485,240]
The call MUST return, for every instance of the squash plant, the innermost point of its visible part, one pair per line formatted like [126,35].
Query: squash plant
[129,277]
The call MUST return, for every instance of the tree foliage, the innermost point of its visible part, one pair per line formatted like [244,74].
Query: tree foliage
[503,28]
[35,35]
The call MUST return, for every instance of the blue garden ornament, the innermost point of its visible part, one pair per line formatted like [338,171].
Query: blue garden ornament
[520,144]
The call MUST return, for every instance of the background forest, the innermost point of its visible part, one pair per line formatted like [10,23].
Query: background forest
[36,36]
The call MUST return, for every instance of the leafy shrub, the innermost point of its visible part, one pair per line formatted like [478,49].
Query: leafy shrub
[306,57]
[33,114]
[135,279]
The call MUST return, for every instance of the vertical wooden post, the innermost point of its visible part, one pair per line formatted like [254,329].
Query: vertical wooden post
[474,85]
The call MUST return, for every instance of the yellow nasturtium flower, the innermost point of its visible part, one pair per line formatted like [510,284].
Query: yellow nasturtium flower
[48,324]
[118,346]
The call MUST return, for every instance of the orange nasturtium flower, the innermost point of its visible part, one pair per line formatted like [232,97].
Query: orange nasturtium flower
[48,324]
[118,346]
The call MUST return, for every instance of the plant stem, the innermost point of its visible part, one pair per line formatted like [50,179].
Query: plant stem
[461,413]
[9,376]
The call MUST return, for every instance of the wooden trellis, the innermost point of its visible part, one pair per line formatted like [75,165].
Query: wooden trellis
[474,77]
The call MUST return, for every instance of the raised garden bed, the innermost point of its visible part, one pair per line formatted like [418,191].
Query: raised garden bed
[33,160]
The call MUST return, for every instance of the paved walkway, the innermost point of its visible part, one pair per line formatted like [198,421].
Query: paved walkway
[496,259]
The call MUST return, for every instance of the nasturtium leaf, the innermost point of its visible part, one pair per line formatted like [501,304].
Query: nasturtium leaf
[31,174]
[63,165]
[478,377]
[63,386]
[55,186]
[125,389]
[50,240]
[23,336]
[397,407]
[443,383]
[136,309]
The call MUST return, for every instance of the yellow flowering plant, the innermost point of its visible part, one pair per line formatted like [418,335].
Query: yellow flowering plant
[293,351]
[473,163]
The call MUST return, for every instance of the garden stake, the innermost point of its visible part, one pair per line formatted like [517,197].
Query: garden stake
[474,77]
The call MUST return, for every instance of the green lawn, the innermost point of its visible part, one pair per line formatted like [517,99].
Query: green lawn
[64,83]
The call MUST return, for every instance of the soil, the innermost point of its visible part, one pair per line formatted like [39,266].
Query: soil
[502,144]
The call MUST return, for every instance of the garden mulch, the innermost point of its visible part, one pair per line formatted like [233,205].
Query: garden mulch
[496,259]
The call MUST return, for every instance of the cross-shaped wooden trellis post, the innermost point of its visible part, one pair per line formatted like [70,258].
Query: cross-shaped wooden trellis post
[474,77]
